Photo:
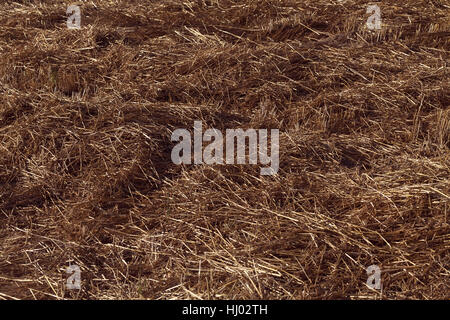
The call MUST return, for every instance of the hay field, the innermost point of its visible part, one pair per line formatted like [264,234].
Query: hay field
[86,175]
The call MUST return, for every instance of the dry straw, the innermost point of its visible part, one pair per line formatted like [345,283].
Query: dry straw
[85,170]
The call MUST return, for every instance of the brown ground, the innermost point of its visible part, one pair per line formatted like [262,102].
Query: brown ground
[86,176]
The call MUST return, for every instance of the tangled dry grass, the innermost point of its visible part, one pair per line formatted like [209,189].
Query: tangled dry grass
[86,176]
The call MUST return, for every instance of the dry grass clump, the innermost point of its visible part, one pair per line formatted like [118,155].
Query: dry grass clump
[86,176]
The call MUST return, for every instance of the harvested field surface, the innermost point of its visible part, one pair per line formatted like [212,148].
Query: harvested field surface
[86,176]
